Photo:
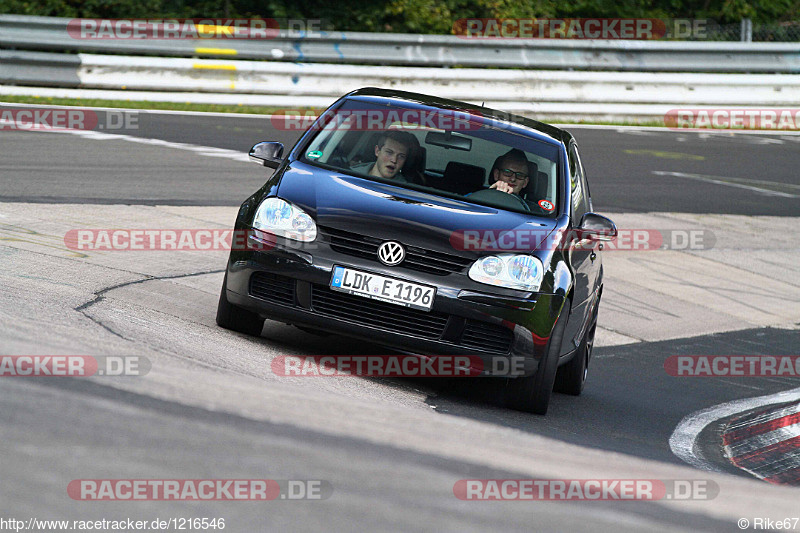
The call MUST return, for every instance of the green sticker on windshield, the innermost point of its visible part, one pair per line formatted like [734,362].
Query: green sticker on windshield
[314,154]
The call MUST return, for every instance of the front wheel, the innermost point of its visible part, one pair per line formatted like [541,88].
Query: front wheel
[235,318]
[571,377]
[532,394]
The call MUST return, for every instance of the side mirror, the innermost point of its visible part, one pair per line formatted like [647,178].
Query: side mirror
[268,154]
[597,227]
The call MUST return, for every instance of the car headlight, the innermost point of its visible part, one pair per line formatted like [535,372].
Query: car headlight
[281,218]
[523,272]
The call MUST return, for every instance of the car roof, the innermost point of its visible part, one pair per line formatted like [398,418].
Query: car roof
[547,130]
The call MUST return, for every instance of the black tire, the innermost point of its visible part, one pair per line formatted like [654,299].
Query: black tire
[571,378]
[235,318]
[532,394]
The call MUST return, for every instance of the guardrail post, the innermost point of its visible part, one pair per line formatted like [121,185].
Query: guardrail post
[747,31]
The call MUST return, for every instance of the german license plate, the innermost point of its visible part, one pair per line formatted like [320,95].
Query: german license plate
[381,288]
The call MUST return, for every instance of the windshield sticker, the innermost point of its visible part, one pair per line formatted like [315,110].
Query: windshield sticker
[314,154]
[547,206]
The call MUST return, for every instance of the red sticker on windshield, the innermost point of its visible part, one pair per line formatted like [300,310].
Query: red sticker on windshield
[547,206]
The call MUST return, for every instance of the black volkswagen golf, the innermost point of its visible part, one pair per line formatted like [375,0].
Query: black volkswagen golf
[430,226]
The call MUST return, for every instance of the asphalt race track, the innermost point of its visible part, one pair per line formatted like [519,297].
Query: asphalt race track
[616,159]
[390,451]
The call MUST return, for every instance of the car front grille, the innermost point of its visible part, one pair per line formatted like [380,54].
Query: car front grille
[488,337]
[478,335]
[420,259]
[272,287]
[377,314]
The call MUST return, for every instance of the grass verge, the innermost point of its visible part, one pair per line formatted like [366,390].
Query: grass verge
[137,104]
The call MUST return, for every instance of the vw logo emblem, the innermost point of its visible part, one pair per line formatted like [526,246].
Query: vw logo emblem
[391,253]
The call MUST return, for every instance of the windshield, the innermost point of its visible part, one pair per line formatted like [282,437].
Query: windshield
[451,153]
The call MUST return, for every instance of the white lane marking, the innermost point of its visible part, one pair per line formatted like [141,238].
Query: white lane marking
[787,135]
[137,110]
[207,151]
[683,441]
[767,140]
[711,134]
[721,181]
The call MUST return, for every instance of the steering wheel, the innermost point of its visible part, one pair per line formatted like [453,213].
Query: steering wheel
[338,158]
[500,199]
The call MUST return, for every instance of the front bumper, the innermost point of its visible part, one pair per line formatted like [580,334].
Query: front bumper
[291,284]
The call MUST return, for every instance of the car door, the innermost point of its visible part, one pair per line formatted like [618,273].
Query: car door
[595,263]
[581,253]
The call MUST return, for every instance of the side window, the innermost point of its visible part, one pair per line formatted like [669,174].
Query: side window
[585,181]
[578,196]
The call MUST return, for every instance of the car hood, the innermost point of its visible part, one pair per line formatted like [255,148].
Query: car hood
[389,212]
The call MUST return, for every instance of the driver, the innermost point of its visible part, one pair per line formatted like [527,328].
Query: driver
[391,151]
[511,172]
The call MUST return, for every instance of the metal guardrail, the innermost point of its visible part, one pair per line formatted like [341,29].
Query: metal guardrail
[47,33]
[39,69]
[553,79]
[261,77]
[540,93]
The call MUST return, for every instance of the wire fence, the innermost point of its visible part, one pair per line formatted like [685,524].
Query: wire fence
[748,31]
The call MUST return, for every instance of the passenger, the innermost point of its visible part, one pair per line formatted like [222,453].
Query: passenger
[391,151]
